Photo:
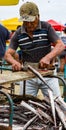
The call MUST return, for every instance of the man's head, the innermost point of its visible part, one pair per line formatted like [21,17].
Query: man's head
[28,12]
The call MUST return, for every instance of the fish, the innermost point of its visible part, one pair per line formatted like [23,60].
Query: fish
[60,114]
[26,105]
[52,105]
[29,122]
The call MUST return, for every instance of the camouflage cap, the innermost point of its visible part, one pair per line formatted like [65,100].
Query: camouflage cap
[28,11]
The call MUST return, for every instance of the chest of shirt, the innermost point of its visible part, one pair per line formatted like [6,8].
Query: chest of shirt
[40,38]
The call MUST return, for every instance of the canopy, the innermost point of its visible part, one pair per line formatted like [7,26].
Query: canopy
[8,2]
[11,24]
[57,26]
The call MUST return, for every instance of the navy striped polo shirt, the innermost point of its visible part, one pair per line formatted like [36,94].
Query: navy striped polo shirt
[33,49]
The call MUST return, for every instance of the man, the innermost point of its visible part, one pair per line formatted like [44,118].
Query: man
[34,39]
[62,56]
[4,36]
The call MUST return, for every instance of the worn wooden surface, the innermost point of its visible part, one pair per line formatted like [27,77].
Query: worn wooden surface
[9,77]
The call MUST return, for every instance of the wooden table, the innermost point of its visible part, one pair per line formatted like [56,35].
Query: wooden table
[9,77]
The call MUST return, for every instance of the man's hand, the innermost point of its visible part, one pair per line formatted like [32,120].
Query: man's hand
[44,62]
[16,66]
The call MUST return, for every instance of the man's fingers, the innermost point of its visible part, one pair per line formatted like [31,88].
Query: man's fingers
[43,65]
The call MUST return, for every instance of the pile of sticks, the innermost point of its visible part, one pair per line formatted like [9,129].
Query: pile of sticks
[33,115]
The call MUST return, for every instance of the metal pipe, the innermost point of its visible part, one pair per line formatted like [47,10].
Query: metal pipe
[11,108]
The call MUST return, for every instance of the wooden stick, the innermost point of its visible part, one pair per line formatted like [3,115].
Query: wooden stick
[38,75]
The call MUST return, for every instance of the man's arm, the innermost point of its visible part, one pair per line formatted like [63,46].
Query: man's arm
[13,58]
[59,47]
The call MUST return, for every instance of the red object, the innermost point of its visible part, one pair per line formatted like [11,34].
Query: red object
[57,26]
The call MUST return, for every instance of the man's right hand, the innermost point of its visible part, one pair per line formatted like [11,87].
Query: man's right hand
[16,66]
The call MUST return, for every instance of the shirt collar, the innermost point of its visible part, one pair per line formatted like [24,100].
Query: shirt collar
[24,31]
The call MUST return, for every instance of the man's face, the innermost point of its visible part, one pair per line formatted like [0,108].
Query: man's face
[31,26]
